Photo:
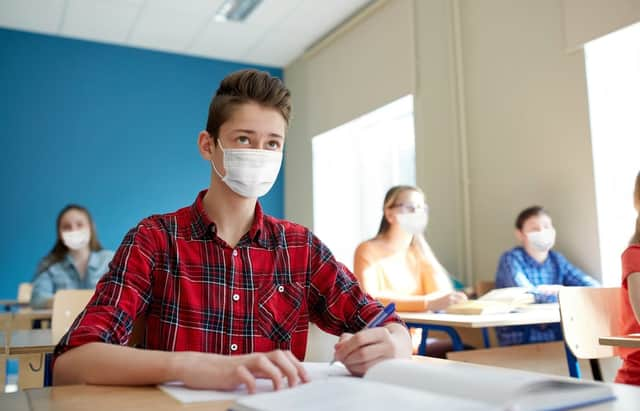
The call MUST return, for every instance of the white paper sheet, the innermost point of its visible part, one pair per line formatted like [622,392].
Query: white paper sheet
[316,371]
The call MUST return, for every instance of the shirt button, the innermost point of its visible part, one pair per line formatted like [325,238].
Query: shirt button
[236,297]
[235,253]
[234,347]
[280,288]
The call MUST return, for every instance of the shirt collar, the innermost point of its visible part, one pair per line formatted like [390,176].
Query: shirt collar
[201,225]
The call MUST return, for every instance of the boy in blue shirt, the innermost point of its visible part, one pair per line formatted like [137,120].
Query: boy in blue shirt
[535,266]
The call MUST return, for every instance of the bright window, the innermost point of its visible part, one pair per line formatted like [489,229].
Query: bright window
[353,167]
[613,77]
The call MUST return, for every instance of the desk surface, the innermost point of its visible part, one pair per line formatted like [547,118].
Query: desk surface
[34,314]
[100,398]
[536,314]
[629,341]
[106,398]
[13,303]
[27,342]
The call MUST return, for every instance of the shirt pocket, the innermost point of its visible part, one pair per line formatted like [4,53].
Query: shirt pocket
[279,308]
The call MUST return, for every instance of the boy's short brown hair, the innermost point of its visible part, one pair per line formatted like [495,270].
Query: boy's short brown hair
[527,213]
[246,86]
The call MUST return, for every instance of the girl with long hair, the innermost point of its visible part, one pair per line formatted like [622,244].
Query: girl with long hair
[77,260]
[398,265]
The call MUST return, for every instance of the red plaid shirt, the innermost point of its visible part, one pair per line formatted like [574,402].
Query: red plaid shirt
[199,294]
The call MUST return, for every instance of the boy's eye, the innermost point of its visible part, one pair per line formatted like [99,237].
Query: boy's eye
[273,145]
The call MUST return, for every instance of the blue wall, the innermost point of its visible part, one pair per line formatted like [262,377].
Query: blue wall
[108,127]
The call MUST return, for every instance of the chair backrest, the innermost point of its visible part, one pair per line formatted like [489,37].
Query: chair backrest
[67,304]
[24,293]
[589,313]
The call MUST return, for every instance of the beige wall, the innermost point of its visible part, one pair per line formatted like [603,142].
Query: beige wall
[528,128]
[332,85]
[501,122]
[586,20]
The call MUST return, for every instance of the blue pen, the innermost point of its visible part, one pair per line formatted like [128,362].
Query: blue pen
[382,316]
[377,320]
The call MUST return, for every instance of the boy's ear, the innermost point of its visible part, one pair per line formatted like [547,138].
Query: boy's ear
[205,145]
[520,236]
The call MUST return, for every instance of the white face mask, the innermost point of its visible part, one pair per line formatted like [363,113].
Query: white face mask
[542,240]
[77,239]
[413,223]
[250,172]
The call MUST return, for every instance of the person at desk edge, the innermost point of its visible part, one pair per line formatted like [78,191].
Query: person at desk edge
[536,266]
[226,291]
[629,372]
[76,261]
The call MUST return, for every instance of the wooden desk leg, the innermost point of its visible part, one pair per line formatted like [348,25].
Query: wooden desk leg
[572,363]
[3,372]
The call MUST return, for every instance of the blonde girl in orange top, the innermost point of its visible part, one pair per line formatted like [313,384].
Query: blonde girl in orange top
[397,264]
[629,372]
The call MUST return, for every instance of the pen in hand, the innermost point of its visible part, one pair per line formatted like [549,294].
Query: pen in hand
[376,321]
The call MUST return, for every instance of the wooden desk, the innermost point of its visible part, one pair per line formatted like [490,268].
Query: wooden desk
[9,305]
[628,341]
[30,318]
[100,398]
[536,314]
[30,345]
[107,398]
[37,341]
[533,314]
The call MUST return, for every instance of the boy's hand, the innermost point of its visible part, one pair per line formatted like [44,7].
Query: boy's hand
[211,371]
[360,351]
[549,289]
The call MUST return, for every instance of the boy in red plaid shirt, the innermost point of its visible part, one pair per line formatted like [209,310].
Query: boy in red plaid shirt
[226,291]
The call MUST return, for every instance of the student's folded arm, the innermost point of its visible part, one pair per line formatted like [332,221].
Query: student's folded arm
[408,303]
[112,364]
[511,274]
[121,296]
[573,276]
[441,276]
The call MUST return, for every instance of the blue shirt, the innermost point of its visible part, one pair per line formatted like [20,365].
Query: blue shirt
[518,269]
[63,275]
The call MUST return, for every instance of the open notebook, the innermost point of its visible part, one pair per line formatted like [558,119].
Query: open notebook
[405,385]
[498,301]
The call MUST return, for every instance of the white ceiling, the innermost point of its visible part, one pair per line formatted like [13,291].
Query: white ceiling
[275,34]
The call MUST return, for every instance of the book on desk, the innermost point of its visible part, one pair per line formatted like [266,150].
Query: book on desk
[407,385]
[498,301]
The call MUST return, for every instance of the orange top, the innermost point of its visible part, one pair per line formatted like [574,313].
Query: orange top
[629,373]
[396,277]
